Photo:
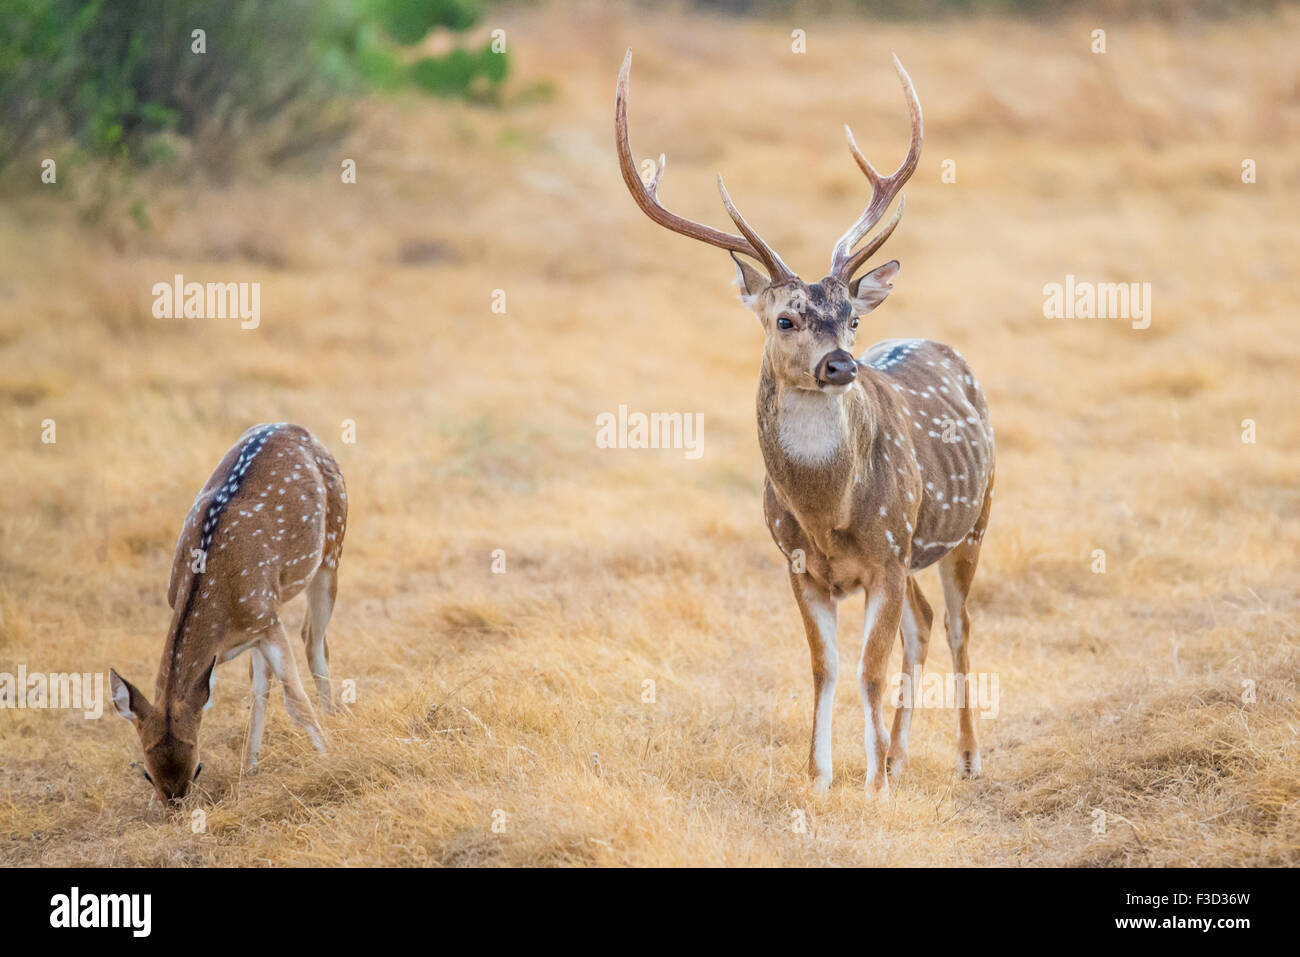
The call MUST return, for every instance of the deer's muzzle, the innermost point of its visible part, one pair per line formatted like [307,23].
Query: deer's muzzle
[836,368]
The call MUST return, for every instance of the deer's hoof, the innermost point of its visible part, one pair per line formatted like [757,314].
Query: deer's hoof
[877,789]
[968,764]
[896,765]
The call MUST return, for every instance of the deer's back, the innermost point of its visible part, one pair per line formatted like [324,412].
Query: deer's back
[273,511]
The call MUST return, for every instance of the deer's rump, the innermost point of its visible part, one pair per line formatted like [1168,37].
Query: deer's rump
[944,426]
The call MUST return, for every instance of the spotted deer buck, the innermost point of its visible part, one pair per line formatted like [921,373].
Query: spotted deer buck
[268,524]
[877,467]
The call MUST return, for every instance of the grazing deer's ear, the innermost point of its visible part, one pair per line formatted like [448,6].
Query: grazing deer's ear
[201,690]
[750,280]
[127,698]
[870,289]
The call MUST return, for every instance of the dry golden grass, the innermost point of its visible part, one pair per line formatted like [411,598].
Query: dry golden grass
[481,692]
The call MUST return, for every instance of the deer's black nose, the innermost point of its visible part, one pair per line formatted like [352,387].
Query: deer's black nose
[837,368]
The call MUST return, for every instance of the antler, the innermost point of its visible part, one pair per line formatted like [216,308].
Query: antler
[647,197]
[844,261]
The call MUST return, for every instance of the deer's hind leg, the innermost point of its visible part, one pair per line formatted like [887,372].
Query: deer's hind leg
[915,627]
[323,587]
[957,573]
[279,655]
[320,605]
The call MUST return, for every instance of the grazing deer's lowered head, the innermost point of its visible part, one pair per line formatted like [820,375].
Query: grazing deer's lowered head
[169,734]
[268,524]
[877,466]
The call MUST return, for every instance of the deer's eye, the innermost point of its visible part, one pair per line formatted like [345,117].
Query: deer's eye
[146,776]
[784,323]
[198,771]
[853,323]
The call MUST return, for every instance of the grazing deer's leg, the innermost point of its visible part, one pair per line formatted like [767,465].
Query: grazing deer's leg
[320,605]
[885,601]
[260,677]
[956,572]
[279,655]
[819,620]
[916,620]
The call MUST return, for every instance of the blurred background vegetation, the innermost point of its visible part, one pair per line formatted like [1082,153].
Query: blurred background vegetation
[123,78]
[120,80]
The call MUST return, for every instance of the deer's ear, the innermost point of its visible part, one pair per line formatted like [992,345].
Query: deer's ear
[200,693]
[129,700]
[870,289]
[751,281]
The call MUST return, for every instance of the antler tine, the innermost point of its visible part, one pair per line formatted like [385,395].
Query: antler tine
[854,262]
[778,270]
[647,196]
[844,261]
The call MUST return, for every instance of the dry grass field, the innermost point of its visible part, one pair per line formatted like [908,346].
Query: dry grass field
[518,697]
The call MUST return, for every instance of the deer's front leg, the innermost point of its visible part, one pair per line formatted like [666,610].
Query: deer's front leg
[819,621]
[884,609]
[260,681]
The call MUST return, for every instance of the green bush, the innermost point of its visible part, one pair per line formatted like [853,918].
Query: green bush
[409,21]
[460,73]
[120,76]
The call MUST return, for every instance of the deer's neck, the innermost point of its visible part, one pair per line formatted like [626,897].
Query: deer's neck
[813,446]
[197,635]
[811,428]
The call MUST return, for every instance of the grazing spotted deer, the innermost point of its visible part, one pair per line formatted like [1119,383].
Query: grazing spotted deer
[877,467]
[268,524]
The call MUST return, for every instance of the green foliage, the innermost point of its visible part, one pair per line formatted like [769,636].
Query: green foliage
[475,74]
[123,78]
[409,21]
[460,73]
